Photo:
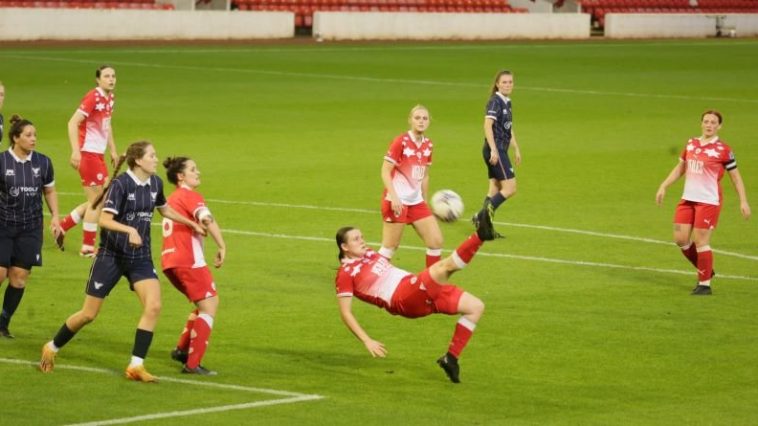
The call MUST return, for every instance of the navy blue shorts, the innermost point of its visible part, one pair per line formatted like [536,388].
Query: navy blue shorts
[107,270]
[20,248]
[503,170]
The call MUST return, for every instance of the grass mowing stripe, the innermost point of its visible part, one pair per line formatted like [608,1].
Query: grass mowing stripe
[387,80]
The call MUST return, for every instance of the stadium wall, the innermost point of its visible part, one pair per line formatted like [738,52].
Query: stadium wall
[665,25]
[438,26]
[22,24]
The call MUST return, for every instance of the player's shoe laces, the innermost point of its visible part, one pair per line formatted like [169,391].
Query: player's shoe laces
[47,361]
[449,363]
[485,230]
[179,355]
[701,290]
[139,374]
[59,240]
[4,332]
[199,370]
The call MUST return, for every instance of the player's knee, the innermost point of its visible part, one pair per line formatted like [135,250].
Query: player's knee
[87,317]
[153,308]
[477,306]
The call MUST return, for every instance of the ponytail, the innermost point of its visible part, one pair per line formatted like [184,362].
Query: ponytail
[119,163]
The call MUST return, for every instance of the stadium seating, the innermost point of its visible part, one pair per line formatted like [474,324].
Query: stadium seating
[599,8]
[88,4]
[304,9]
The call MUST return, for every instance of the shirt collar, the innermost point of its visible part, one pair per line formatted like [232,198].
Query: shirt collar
[101,91]
[18,160]
[503,97]
[136,179]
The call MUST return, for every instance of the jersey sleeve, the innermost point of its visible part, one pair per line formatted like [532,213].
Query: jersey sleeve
[395,152]
[48,180]
[196,206]
[731,162]
[160,197]
[492,108]
[114,198]
[87,104]
[343,284]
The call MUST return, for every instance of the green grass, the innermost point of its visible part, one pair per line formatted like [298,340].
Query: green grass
[600,125]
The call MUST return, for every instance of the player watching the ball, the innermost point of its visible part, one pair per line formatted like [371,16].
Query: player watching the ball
[406,186]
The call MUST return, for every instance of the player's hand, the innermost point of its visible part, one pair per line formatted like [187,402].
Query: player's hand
[220,256]
[494,158]
[134,238]
[199,229]
[659,196]
[76,158]
[745,210]
[55,227]
[397,206]
[114,159]
[376,349]
[517,157]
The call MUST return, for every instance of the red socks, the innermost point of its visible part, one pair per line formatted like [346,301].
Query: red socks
[704,265]
[690,252]
[463,331]
[199,339]
[466,251]
[184,339]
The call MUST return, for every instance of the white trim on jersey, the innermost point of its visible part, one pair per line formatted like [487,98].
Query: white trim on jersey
[136,179]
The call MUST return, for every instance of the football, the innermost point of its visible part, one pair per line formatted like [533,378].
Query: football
[447,205]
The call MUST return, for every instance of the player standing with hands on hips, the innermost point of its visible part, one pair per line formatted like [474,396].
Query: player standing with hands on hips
[498,137]
[90,133]
[703,163]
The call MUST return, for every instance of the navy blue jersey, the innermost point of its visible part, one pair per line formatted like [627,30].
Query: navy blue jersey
[132,203]
[22,184]
[499,109]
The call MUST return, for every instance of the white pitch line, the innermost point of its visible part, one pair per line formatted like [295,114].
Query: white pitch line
[196,411]
[346,77]
[501,255]
[290,397]
[520,225]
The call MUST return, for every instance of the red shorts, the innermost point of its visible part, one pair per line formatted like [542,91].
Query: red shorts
[92,169]
[699,215]
[410,214]
[419,296]
[195,283]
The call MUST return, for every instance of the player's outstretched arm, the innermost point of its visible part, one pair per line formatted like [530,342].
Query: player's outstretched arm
[375,348]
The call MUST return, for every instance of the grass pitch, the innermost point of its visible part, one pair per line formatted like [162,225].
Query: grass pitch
[588,320]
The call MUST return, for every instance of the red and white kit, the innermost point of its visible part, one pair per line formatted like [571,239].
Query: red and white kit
[373,279]
[705,166]
[94,130]
[182,257]
[411,160]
